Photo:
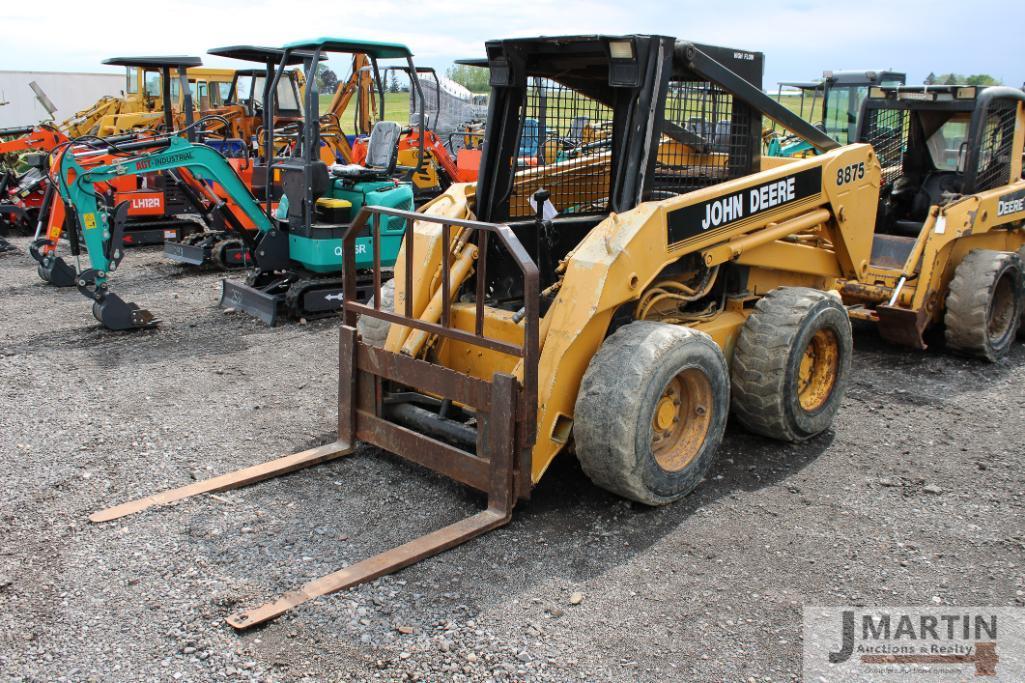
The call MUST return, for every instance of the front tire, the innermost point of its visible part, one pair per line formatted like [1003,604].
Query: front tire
[651,411]
[984,304]
[791,363]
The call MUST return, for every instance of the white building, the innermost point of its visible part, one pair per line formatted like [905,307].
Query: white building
[69,92]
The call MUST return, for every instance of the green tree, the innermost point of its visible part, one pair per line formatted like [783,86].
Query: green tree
[473,78]
[973,79]
[982,79]
[327,80]
[930,79]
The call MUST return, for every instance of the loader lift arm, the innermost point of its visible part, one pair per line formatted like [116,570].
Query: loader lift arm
[102,227]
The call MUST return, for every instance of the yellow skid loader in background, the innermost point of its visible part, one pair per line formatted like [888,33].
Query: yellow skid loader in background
[617,296]
[952,208]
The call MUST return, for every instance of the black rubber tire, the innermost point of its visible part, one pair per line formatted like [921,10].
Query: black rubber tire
[621,388]
[1021,325]
[976,282]
[374,331]
[767,360]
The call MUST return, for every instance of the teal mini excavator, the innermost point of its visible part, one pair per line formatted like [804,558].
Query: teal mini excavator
[297,250]
[299,265]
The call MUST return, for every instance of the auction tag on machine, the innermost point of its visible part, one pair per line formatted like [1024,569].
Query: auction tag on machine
[89,220]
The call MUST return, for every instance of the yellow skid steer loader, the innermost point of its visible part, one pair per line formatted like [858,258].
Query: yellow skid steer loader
[617,296]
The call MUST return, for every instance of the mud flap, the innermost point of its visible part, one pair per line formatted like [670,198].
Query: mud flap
[256,303]
[116,314]
[902,325]
[189,254]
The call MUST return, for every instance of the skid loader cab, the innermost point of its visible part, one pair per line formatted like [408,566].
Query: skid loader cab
[638,90]
[937,144]
[951,204]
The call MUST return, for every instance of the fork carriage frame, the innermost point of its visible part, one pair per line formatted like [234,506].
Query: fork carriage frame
[505,407]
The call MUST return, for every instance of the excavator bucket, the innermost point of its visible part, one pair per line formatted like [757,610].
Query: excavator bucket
[55,271]
[374,390]
[116,314]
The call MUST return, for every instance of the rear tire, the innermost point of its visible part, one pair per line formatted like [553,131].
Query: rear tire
[791,363]
[1021,325]
[374,331]
[651,411]
[984,304]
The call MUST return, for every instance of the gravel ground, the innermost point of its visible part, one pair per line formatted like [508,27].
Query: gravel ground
[915,496]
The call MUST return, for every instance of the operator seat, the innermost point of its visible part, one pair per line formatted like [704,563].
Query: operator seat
[937,188]
[382,152]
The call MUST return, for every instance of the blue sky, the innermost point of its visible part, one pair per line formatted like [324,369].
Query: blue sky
[800,39]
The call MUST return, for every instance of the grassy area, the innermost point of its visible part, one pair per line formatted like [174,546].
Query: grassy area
[396,108]
[793,103]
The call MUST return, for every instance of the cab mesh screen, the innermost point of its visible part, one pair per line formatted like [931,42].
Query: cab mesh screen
[564,146]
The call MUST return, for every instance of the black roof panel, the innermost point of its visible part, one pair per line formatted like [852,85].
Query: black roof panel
[260,53]
[173,60]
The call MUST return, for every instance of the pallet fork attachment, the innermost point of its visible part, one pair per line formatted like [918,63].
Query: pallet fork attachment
[505,409]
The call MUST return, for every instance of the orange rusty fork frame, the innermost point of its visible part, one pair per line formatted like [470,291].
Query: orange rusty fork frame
[505,409]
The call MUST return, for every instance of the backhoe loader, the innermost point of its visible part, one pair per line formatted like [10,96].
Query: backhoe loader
[949,233]
[618,299]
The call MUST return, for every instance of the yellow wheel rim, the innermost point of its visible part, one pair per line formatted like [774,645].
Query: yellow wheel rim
[820,365]
[681,420]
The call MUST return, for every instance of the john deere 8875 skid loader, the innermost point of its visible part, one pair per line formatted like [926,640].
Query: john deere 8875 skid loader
[951,217]
[617,298]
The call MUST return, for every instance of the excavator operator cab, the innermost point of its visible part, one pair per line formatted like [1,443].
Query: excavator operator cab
[323,198]
[154,76]
[937,144]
